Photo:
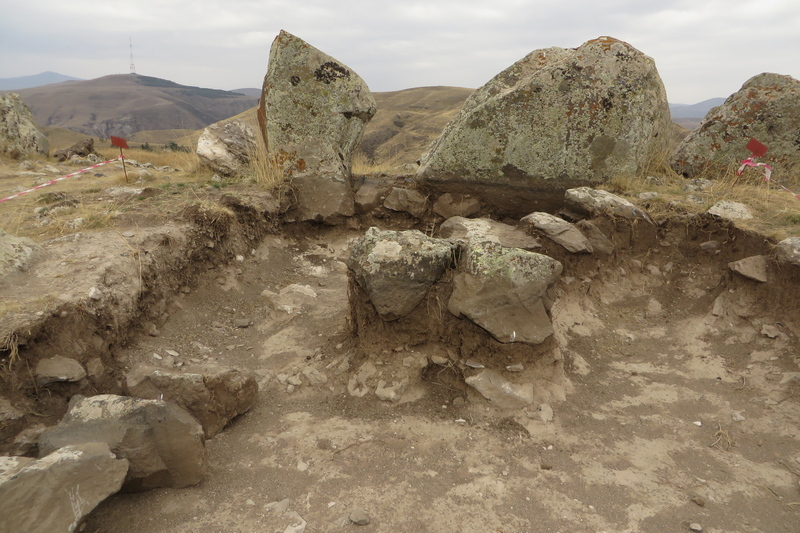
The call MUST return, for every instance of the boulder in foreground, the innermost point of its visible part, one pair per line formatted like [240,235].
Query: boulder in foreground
[163,444]
[54,493]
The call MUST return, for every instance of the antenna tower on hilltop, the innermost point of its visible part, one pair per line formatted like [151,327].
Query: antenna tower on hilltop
[133,67]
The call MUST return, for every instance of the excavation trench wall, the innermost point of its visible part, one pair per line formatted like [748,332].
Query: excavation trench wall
[211,236]
[139,286]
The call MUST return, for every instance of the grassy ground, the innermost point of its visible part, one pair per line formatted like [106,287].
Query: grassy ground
[776,211]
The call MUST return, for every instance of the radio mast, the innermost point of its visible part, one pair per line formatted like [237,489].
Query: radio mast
[133,67]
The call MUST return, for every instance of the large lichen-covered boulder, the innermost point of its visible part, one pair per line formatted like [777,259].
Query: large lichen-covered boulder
[18,132]
[506,291]
[556,119]
[163,444]
[766,108]
[226,147]
[54,493]
[396,268]
[312,115]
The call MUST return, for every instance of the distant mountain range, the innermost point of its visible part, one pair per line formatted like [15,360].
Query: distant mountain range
[698,110]
[124,104]
[37,80]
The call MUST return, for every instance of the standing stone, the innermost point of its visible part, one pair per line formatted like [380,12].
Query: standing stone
[312,115]
[83,148]
[18,132]
[163,443]
[226,148]
[505,291]
[54,493]
[396,268]
[556,119]
[766,108]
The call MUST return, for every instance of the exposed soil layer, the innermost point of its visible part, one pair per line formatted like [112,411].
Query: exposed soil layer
[675,407]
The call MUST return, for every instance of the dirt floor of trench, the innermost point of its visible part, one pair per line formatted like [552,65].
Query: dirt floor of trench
[680,408]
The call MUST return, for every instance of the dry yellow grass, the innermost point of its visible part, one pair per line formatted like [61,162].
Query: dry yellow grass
[263,169]
[363,165]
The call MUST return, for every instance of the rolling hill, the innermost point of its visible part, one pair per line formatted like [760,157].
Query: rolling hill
[124,104]
[37,80]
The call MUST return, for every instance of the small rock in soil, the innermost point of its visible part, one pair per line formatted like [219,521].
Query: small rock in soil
[737,416]
[694,526]
[242,322]
[59,368]
[699,500]
[770,331]
[359,517]
[545,413]
[515,368]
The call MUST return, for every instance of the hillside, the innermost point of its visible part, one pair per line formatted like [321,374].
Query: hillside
[36,80]
[408,120]
[124,104]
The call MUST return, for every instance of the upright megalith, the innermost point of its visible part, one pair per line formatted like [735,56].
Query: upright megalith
[312,115]
[556,119]
[766,108]
[18,133]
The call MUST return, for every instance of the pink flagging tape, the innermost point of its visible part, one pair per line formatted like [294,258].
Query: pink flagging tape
[61,178]
[749,162]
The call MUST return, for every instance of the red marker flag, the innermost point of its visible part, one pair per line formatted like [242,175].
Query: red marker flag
[755,147]
[120,143]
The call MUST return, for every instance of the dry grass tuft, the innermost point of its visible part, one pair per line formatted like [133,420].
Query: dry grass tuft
[363,165]
[264,169]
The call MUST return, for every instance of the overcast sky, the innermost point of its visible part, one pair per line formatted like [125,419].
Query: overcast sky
[702,48]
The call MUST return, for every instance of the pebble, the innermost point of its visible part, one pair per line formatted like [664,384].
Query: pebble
[95,294]
[242,322]
[439,360]
[698,423]
[472,363]
[737,416]
[545,413]
[515,368]
[359,517]
[127,234]
[249,502]
[699,500]
[156,356]
[173,353]
[694,526]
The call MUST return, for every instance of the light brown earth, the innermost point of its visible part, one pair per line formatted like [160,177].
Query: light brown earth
[662,346]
